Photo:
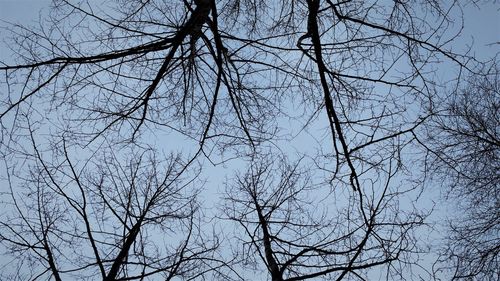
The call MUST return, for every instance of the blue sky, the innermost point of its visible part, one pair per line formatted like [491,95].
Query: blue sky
[482,26]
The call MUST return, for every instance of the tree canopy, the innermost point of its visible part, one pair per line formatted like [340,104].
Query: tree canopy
[247,140]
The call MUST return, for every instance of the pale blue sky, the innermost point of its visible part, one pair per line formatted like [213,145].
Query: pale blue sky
[482,25]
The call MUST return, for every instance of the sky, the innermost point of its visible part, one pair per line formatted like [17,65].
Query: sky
[21,11]
[482,25]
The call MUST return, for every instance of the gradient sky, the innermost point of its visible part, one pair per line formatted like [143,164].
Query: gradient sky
[482,26]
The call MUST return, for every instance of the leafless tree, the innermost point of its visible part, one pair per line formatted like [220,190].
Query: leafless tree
[197,68]
[464,145]
[229,79]
[296,229]
[110,217]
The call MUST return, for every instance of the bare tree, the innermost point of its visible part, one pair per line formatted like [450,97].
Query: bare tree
[110,217]
[229,79]
[464,142]
[196,68]
[298,230]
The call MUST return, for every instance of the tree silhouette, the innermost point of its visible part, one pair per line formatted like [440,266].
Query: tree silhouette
[465,146]
[297,232]
[318,107]
[108,218]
